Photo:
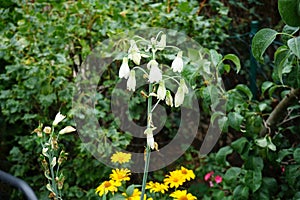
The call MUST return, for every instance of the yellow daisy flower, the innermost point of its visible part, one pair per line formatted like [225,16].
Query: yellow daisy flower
[182,195]
[175,179]
[187,174]
[136,195]
[120,157]
[157,187]
[120,175]
[108,186]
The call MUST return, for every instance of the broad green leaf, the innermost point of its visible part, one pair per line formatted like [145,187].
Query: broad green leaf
[129,190]
[262,142]
[283,153]
[253,179]
[271,146]
[239,145]
[265,86]
[261,41]
[289,10]
[297,155]
[232,174]
[222,154]
[235,120]
[254,163]
[117,197]
[245,90]
[216,115]
[281,59]
[215,57]
[235,60]
[294,45]
[241,192]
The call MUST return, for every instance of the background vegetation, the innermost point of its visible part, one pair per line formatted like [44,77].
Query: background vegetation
[43,45]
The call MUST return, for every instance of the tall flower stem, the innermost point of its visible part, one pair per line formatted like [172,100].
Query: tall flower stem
[148,150]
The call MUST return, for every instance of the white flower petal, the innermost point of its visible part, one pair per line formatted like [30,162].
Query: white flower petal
[161,91]
[58,118]
[131,82]
[124,69]
[150,141]
[169,99]
[155,74]
[67,129]
[179,97]
[177,64]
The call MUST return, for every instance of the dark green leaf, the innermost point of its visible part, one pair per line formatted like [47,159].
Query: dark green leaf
[232,174]
[241,192]
[222,154]
[297,155]
[245,90]
[261,41]
[235,120]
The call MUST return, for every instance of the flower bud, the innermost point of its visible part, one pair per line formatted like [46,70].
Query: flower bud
[47,130]
[67,129]
[169,99]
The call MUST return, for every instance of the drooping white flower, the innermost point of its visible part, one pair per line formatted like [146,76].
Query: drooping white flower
[58,118]
[169,99]
[124,69]
[150,138]
[155,74]
[134,53]
[67,129]
[184,87]
[177,64]
[162,43]
[179,96]
[161,91]
[131,82]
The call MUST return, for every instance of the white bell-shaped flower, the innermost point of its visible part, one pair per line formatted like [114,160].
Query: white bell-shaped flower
[184,87]
[169,99]
[124,69]
[155,74]
[134,53]
[131,82]
[179,96]
[161,91]
[58,118]
[150,138]
[162,43]
[177,64]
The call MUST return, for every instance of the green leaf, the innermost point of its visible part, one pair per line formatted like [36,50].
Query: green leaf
[222,154]
[271,146]
[235,60]
[261,41]
[289,10]
[215,57]
[294,45]
[241,192]
[254,163]
[281,59]
[235,120]
[262,142]
[253,180]
[240,144]
[265,86]
[297,155]
[129,190]
[283,153]
[245,90]
[117,197]
[232,174]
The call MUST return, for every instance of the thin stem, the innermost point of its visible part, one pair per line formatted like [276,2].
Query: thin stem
[137,67]
[148,150]
[171,77]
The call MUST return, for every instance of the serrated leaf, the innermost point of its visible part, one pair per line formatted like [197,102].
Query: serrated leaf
[261,41]
[294,45]
[235,60]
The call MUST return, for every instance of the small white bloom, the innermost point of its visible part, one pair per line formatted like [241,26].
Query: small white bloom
[134,53]
[169,98]
[124,69]
[155,74]
[58,118]
[47,130]
[67,129]
[44,151]
[162,43]
[184,87]
[53,162]
[131,82]
[161,91]
[179,96]
[177,64]
[150,141]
